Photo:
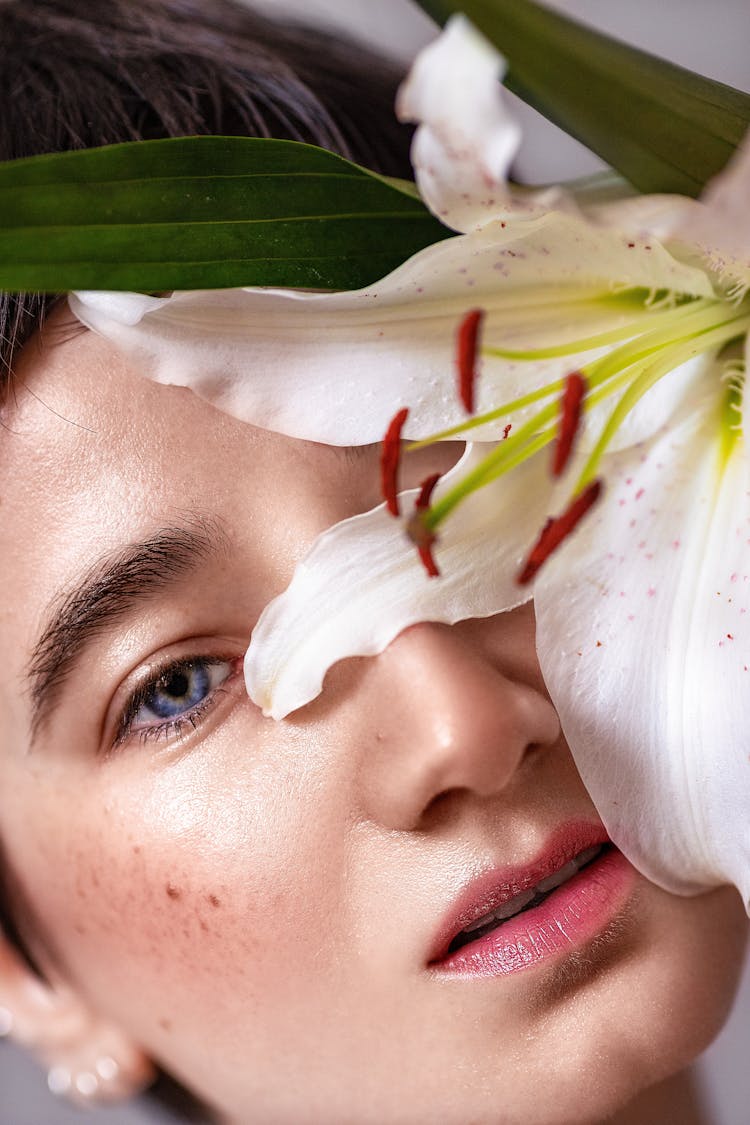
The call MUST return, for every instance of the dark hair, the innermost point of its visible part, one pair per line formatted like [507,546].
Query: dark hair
[79,73]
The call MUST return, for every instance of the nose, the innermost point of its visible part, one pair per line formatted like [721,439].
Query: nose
[454,715]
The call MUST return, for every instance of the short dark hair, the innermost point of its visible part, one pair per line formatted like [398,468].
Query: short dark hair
[77,73]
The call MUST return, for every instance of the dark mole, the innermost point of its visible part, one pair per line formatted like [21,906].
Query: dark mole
[214,900]
[173,891]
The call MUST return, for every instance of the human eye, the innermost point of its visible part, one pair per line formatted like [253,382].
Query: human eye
[174,697]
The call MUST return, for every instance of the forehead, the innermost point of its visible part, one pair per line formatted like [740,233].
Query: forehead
[94,457]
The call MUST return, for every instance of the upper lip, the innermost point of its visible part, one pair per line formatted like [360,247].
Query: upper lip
[493,888]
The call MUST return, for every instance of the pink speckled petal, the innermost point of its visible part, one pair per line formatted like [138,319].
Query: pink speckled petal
[335,367]
[644,640]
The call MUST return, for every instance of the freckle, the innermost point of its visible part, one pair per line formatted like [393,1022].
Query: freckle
[173,891]
[136,849]
[165,1024]
[216,902]
[79,929]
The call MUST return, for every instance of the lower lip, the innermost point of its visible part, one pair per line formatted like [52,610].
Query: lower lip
[569,917]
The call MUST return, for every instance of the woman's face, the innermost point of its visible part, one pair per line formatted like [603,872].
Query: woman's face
[272,908]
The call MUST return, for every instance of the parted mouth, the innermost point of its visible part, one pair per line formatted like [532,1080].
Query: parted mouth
[525,900]
[498,896]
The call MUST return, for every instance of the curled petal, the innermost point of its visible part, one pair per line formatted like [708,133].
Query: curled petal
[335,367]
[466,140]
[644,640]
[360,586]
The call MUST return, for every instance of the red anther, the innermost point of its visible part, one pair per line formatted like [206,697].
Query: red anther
[428,562]
[426,487]
[423,538]
[390,455]
[556,530]
[466,356]
[507,430]
[570,420]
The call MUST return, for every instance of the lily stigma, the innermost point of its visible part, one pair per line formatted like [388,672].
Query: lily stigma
[607,364]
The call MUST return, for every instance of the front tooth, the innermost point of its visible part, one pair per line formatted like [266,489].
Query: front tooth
[513,905]
[479,923]
[588,855]
[559,877]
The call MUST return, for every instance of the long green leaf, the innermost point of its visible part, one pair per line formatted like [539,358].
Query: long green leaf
[203,212]
[663,127]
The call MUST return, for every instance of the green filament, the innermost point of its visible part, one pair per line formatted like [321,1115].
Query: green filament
[673,337]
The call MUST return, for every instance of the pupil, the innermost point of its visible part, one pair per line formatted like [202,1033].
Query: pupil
[179,690]
[177,684]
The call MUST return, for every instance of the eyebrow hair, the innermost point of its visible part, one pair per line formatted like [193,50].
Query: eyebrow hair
[112,588]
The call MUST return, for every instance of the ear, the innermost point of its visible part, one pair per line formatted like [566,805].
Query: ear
[87,1058]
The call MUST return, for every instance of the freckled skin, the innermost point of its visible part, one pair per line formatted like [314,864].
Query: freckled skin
[255,903]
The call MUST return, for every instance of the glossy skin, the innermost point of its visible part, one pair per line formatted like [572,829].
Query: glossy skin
[253,902]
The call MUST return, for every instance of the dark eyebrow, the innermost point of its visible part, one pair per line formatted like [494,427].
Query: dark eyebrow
[113,587]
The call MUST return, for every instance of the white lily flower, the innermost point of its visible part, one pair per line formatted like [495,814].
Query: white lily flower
[642,614]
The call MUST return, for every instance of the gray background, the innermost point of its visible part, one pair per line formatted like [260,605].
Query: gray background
[711,37]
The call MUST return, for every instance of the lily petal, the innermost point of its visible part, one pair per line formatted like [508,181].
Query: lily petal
[361,585]
[718,227]
[466,140]
[643,631]
[335,367]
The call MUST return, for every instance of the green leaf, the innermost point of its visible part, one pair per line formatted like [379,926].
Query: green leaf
[203,212]
[663,127]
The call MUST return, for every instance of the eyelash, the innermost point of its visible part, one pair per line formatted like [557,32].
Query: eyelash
[173,727]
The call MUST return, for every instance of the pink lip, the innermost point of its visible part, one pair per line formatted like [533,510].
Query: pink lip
[571,915]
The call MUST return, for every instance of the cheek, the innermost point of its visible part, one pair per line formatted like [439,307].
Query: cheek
[197,883]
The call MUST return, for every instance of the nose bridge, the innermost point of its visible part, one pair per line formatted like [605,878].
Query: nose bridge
[450,720]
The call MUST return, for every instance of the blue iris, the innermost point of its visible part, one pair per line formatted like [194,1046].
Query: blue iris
[180,689]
